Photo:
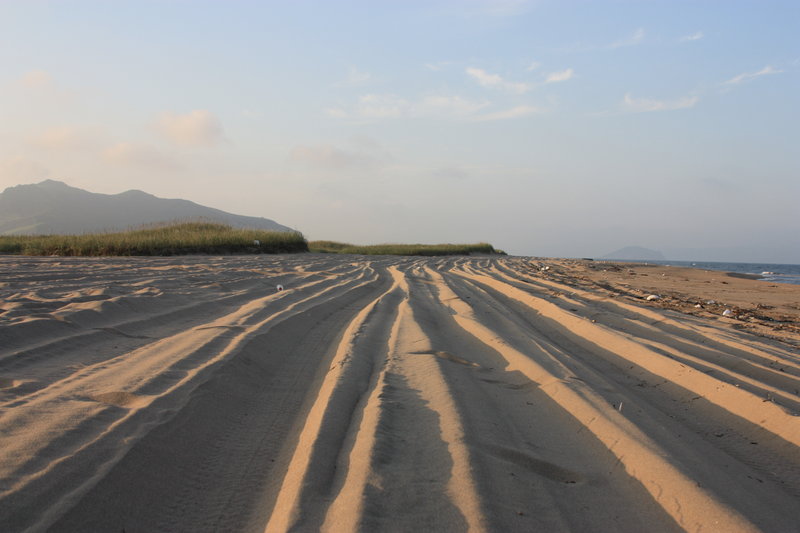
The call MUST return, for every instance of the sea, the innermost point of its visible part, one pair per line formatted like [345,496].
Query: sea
[774,273]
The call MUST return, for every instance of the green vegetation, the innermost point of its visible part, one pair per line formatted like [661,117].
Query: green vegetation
[211,238]
[172,239]
[402,249]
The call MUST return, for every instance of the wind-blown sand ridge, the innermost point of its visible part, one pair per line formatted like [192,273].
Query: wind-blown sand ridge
[394,394]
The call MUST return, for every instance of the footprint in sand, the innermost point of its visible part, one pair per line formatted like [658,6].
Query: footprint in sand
[8,383]
[122,399]
[447,356]
[543,468]
[513,386]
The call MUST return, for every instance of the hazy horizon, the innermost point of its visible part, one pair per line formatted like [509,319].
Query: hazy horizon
[546,128]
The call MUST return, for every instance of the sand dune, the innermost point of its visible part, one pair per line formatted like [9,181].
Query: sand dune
[394,394]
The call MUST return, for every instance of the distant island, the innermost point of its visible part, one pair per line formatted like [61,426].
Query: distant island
[53,207]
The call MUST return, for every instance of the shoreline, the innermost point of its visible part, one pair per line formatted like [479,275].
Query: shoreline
[757,305]
[787,273]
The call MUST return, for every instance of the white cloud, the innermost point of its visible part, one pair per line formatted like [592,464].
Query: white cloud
[36,79]
[636,38]
[41,86]
[329,156]
[437,66]
[643,105]
[196,128]
[563,75]
[533,66]
[487,79]
[484,78]
[61,138]
[336,112]
[449,105]
[382,106]
[514,112]
[390,106]
[749,76]
[693,37]
[495,8]
[355,78]
[130,154]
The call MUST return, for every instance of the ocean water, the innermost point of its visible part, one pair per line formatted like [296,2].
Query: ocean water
[769,272]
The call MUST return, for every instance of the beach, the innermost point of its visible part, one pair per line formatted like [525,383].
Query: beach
[349,393]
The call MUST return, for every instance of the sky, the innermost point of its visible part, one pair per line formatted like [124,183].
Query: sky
[548,128]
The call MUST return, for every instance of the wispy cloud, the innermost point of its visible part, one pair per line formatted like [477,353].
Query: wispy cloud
[450,105]
[390,106]
[139,155]
[533,66]
[693,37]
[749,76]
[329,156]
[437,66]
[355,78]
[644,105]
[378,106]
[41,85]
[196,128]
[336,112]
[382,106]
[61,138]
[362,153]
[636,38]
[36,79]
[487,79]
[555,77]
[506,114]
[494,8]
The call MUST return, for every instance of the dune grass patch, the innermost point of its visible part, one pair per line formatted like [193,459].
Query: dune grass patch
[402,249]
[168,239]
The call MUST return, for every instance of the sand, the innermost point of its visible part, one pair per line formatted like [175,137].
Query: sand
[394,394]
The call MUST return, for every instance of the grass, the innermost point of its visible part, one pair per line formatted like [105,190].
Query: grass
[172,239]
[402,249]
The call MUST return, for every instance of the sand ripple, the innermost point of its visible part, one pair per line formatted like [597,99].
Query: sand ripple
[382,394]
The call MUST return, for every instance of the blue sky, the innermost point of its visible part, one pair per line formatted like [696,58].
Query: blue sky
[545,127]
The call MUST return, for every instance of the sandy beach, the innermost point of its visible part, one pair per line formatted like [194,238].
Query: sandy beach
[395,394]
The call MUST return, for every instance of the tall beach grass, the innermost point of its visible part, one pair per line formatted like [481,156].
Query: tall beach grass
[171,239]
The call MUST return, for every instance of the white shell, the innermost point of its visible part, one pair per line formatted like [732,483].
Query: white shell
[727,312]
[653,297]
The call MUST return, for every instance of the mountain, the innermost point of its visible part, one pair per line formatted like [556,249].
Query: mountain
[635,253]
[52,207]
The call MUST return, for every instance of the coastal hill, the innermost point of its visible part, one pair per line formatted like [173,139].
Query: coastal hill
[636,253]
[51,207]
